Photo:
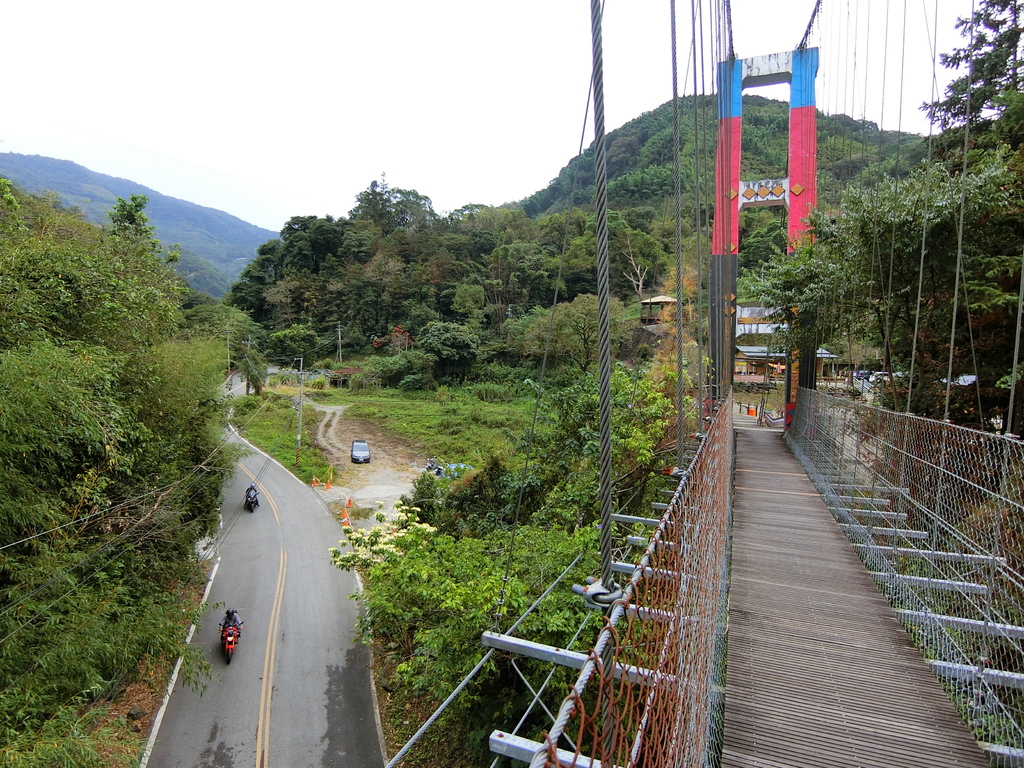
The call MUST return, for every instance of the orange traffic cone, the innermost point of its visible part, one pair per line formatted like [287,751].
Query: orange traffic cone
[349,504]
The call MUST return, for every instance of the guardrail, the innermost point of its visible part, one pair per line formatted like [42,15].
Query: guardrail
[935,512]
[650,692]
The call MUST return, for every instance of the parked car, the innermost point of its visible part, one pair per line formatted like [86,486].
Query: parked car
[360,452]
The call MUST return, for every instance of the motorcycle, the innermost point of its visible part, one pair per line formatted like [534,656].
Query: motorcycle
[228,641]
[251,501]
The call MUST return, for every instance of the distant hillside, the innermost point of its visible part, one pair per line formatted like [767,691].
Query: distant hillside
[215,246]
[639,155]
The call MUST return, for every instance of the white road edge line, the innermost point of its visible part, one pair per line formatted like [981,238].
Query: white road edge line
[151,742]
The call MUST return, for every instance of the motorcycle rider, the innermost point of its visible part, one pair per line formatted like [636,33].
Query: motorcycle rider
[252,496]
[232,619]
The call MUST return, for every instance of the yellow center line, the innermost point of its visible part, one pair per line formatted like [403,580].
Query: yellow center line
[266,692]
[266,494]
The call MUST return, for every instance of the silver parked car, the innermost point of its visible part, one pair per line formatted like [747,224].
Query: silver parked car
[360,452]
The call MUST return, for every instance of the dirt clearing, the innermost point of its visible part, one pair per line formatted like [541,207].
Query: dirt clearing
[394,463]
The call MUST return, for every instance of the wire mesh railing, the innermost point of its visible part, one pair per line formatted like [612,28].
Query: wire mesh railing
[935,513]
[651,690]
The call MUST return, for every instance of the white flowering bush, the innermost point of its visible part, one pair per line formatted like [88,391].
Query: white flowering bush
[382,543]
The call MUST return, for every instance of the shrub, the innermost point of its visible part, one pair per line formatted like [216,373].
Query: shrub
[246,404]
[490,392]
[392,369]
[415,381]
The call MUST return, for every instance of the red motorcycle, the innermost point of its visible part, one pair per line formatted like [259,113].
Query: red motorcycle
[228,641]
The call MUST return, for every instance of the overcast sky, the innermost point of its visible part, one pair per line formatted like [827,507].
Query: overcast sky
[272,110]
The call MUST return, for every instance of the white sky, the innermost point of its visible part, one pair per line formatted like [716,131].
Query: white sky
[272,110]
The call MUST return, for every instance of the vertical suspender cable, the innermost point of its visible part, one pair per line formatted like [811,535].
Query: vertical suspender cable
[698,169]
[960,225]
[1009,424]
[506,578]
[680,421]
[705,193]
[609,727]
[924,217]
[603,291]
[703,197]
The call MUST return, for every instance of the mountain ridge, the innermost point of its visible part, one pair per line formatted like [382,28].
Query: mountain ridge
[215,246]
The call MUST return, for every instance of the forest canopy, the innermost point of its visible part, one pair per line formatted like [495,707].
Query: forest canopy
[107,415]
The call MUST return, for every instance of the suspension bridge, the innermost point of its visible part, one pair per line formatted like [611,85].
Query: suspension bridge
[843,590]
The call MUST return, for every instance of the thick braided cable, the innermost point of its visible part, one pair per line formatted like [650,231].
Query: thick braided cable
[728,29]
[603,323]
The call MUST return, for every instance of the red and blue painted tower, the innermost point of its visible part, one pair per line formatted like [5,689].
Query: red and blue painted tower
[798,191]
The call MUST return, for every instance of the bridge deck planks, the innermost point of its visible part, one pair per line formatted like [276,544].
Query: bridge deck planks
[820,671]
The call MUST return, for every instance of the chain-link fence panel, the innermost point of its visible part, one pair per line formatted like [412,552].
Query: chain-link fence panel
[650,693]
[935,512]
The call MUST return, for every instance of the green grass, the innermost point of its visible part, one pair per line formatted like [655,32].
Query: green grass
[451,424]
[270,423]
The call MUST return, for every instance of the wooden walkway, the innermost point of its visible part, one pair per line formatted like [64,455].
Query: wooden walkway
[820,671]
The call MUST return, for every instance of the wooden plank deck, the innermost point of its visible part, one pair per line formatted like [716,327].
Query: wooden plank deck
[820,671]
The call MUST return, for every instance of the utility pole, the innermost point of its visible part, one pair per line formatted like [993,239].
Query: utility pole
[338,329]
[298,431]
[248,365]
[227,330]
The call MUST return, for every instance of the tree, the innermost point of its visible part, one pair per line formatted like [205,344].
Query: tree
[293,342]
[110,472]
[452,347]
[469,302]
[128,220]
[253,366]
[993,61]
[391,209]
[429,596]
[861,276]
[573,331]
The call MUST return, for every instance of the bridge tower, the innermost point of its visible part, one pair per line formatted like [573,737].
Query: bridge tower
[798,192]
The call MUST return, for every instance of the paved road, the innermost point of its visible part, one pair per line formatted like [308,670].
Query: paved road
[298,692]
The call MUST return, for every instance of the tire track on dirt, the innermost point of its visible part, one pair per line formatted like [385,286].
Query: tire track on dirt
[390,473]
[327,434]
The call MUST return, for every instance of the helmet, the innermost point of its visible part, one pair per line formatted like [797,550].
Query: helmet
[252,485]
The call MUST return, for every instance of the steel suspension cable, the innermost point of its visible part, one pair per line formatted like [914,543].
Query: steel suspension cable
[603,294]
[678,237]
[1009,421]
[924,217]
[728,29]
[703,191]
[549,335]
[698,175]
[960,224]
[810,24]
[603,352]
